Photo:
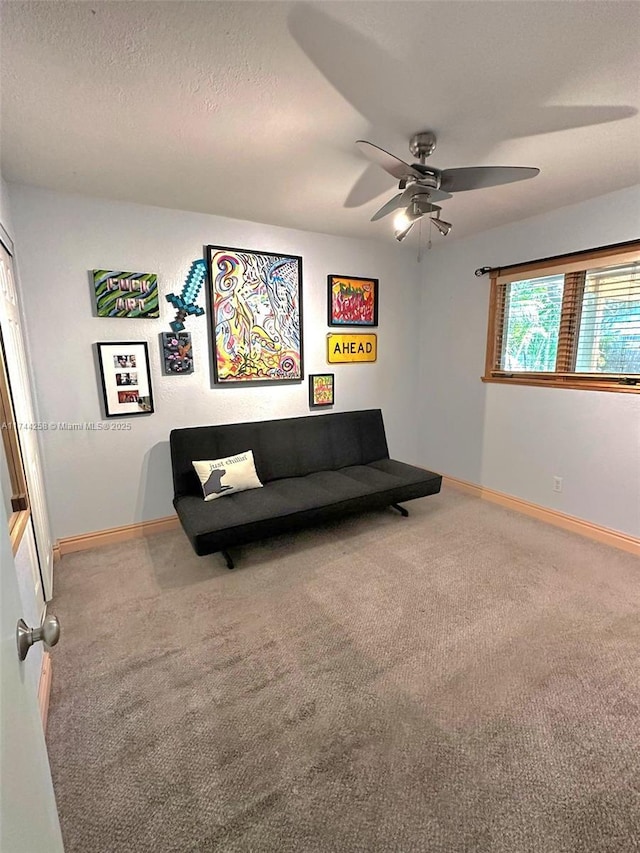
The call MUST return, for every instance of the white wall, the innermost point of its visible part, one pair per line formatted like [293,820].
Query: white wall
[515,439]
[99,480]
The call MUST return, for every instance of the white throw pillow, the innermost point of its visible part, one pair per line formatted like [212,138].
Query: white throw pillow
[224,476]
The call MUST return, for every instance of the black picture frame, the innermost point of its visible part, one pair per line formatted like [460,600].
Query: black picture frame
[125,375]
[177,353]
[371,319]
[313,403]
[245,367]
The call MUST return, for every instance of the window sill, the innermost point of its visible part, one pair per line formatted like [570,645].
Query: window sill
[575,384]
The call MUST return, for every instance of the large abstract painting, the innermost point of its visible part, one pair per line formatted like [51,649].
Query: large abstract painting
[256,304]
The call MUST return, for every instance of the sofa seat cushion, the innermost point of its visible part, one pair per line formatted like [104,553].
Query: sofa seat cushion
[251,515]
[276,498]
[386,473]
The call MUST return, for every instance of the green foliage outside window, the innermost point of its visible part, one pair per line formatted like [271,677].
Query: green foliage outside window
[532,324]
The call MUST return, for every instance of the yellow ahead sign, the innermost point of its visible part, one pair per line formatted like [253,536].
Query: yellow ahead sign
[341,348]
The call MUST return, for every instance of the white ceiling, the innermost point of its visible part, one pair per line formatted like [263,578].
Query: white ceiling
[251,109]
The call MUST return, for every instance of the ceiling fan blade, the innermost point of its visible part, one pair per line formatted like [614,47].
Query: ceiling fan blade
[434,195]
[389,207]
[391,164]
[478,177]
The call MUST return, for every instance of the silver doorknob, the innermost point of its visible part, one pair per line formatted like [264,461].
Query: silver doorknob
[48,632]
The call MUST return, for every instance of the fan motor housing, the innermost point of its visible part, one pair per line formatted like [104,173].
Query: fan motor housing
[430,178]
[422,144]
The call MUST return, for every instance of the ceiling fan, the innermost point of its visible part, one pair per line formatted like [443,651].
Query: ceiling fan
[421,185]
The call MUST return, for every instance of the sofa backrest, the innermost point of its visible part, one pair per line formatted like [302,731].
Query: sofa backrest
[291,447]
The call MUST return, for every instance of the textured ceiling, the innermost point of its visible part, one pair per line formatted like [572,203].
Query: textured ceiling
[251,110]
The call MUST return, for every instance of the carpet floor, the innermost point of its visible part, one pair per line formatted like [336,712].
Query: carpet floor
[466,679]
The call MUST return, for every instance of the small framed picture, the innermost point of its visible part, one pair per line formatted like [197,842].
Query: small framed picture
[352,301]
[126,378]
[321,386]
[177,353]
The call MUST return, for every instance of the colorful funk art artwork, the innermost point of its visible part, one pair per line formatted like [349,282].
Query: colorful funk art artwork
[321,389]
[256,300]
[352,301]
[126,294]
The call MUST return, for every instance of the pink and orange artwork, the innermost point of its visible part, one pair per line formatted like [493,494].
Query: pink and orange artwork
[352,301]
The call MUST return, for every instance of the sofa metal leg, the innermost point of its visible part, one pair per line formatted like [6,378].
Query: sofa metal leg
[228,560]
[403,512]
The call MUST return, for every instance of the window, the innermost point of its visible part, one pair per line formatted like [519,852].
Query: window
[572,321]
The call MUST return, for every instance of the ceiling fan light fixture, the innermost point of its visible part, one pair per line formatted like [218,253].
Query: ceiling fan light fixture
[442,226]
[401,233]
[401,220]
[405,220]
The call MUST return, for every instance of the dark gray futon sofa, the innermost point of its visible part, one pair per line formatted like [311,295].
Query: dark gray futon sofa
[313,468]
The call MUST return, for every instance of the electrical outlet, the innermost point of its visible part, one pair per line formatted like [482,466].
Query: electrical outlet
[557,484]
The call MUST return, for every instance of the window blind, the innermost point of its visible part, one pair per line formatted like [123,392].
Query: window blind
[608,334]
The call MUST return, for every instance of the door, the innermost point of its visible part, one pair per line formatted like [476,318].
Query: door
[19,378]
[28,816]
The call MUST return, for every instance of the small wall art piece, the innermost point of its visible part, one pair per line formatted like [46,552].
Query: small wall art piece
[342,348]
[177,354]
[126,378]
[321,387]
[256,304]
[126,294]
[352,301]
